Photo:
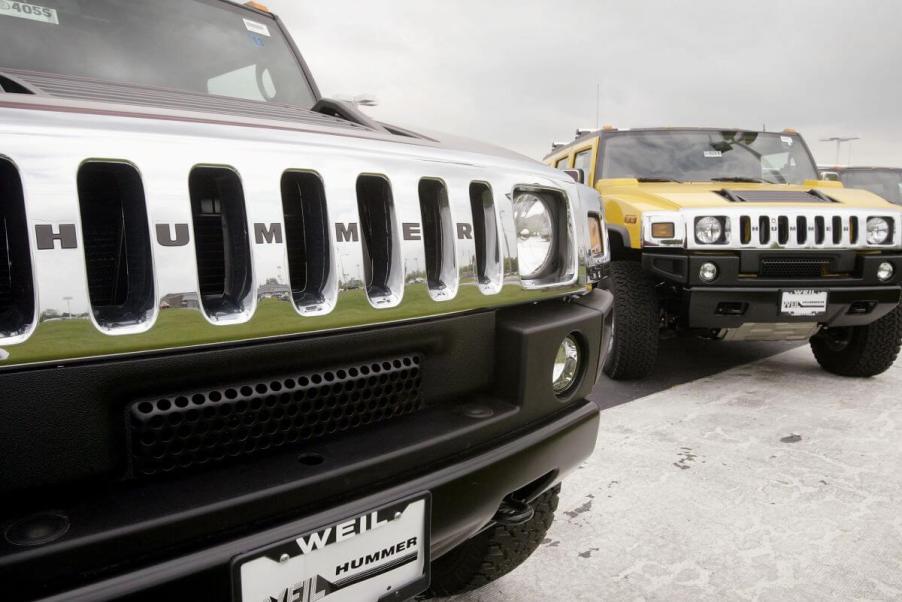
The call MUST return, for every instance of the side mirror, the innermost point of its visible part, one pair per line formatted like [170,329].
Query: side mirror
[577,174]
[830,176]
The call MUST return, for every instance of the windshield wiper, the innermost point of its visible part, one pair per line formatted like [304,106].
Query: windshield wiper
[738,179]
[659,180]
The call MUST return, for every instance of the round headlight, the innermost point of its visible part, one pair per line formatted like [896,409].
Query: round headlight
[878,230]
[707,272]
[566,365]
[885,271]
[535,234]
[708,230]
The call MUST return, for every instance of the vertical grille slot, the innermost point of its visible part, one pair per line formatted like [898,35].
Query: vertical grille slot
[820,229]
[306,236]
[745,229]
[438,236]
[837,230]
[783,229]
[376,207]
[801,230]
[853,230]
[485,233]
[763,230]
[16,285]
[220,240]
[116,243]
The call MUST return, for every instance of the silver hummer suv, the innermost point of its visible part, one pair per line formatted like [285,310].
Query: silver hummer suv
[256,345]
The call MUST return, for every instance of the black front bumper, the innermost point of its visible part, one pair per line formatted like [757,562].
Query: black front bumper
[715,307]
[740,294]
[486,431]
[465,495]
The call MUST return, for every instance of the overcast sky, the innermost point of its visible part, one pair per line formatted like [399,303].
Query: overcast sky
[521,73]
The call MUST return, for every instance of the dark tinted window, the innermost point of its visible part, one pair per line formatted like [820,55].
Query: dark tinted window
[196,45]
[882,182]
[705,155]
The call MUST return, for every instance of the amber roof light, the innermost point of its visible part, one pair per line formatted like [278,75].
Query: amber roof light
[258,6]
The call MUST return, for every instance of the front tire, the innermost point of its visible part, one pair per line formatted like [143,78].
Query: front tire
[637,323]
[494,552]
[860,350]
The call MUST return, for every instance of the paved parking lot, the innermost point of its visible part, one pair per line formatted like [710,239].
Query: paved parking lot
[771,480]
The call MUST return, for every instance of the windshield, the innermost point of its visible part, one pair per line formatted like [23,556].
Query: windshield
[882,182]
[206,46]
[706,155]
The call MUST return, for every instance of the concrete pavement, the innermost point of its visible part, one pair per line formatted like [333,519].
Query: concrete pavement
[771,481]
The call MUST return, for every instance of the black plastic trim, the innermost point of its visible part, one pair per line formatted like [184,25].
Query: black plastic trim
[560,444]
[762,305]
[116,239]
[17,290]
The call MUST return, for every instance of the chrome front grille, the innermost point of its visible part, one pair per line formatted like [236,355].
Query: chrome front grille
[793,229]
[253,234]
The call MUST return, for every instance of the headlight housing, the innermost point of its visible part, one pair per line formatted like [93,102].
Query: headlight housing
[537,242]
[709,230]
[878,230]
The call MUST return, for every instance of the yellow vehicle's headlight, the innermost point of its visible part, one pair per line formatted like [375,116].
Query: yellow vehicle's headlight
[709,230]
[878,230]
[535,234]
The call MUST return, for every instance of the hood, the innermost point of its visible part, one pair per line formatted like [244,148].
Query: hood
[654,196]
[73,94]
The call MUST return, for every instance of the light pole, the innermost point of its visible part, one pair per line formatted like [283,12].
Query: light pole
[839,140]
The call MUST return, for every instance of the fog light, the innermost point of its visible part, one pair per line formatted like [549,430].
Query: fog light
[566,365]
[885,271]
[707,272]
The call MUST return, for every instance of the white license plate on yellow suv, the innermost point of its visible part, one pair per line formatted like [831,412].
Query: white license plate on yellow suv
[365,558]
[803,303]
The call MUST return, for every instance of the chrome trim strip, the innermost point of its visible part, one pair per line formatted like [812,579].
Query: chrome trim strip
[47,149]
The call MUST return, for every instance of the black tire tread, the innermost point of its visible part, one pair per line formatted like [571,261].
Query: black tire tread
[871,350]
[636,312]
[494,552]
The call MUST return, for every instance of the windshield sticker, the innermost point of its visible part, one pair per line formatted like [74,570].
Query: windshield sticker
[787,140]
[710,154]
[252,26]
[29,11]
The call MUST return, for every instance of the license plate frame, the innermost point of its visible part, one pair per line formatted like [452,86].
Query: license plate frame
[807,303]
[305,582]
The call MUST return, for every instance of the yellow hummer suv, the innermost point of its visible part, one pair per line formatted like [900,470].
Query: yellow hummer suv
[729,234]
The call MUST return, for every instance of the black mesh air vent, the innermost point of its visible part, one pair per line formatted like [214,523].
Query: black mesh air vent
[775,196]
[220,239]
[438,233]
[306,235]
[485,233]
[793,267]
[116,243]
[16,286]
[198,428]
[374,202]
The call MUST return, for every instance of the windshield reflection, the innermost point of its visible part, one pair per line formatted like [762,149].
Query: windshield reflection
[706,155]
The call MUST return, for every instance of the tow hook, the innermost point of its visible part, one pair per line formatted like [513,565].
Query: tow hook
[513,512]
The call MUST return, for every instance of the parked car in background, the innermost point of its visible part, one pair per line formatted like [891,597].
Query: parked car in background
[729,234]
[258,346]
[885,182]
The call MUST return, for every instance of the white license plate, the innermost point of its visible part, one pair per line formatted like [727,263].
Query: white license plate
[365,558]
[803,303]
